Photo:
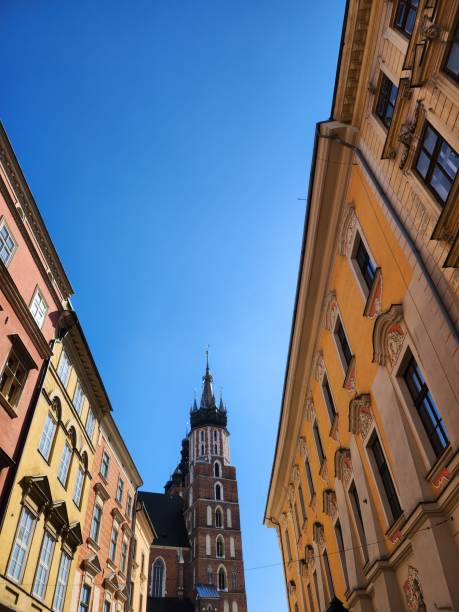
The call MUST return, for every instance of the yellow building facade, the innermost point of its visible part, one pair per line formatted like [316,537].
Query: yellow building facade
[364,491]
[44,520]
[144,534]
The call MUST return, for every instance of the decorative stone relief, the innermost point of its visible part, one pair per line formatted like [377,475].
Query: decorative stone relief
[349,381]
[318,366]
[347,232]
[360,415]
[374,301]
[443,476]
[318,535]
[330,503]
[330,311]
[407,132]
[413,591]
[388,336]
[334,429]
[343,465]
[310,410]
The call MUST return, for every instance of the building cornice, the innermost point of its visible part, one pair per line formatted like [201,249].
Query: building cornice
[328,185]
[26,200]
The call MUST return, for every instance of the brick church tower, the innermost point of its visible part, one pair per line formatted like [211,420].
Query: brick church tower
[203,568]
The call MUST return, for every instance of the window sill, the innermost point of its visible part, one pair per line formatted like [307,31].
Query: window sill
[374,300]
[111,564]
[122,575]
[393,533]
[334,428]
[92,545]
[439,472]
[8,407]
[103,478]
[349,379]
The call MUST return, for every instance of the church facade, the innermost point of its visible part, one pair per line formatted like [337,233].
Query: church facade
[196,560]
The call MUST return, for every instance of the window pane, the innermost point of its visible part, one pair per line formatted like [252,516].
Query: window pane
[449,160]
[429,140]
[422,165]
[441,184]
[452,64]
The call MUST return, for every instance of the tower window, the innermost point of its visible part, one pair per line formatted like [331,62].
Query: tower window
[220,547]
[218,492]
[218,518]
[157,583]
[217,470]
[222,586]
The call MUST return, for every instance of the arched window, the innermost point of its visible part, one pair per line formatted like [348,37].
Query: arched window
[222,584]
[209,516]
[218,518]
[220,547]
[217,470]
[218,491]
[208,545]
[210,576]
[229,521]
[158,578]
[232,548]
[202,440]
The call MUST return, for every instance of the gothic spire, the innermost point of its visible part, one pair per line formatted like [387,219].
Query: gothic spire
[207,397]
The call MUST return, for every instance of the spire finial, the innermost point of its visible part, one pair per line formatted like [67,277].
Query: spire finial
[207,358]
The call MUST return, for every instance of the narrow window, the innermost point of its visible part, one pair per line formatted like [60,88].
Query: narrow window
[7,243]
[287,544]
[229,518]
[158,579]
[342,553]
[437,164]
[218,492]
[38,308]
[85,598]
[425,407]
[124,551]
[355,503]
[311,601]
[217,470]
[13,379]
[65,465]
[63,369]
[108,607]
[78,397]
[44,564]
[222,579]
[331,588]
[302,506]
[364,263]
[384,474]
[386,100]
[297,519]
[113,543]
[119,490]
[318,441]
[341,337]
[215,443]
[316,586]
[234,581]
[218,518]
[77,493]
[312,491]
[220,547]
[90,422]
[21,545]
[104,464]
[61,585]
[210,578]
[328,399]
[232,548]
[406,16]
[47,437]
[95,523]
[142,563]
[129,506]
[452,59]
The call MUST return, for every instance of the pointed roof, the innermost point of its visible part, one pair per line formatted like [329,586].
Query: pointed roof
[208,412]
[207,397]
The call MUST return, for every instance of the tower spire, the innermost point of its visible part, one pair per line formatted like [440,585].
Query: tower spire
[207,397]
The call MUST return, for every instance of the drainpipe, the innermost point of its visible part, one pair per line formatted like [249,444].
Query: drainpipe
[405,233]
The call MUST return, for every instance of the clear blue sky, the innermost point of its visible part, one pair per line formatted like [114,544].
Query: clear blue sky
[167,143]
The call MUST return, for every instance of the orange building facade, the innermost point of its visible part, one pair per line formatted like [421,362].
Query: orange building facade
[364,491]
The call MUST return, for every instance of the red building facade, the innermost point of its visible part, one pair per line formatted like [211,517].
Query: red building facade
[33,291]
[196,560]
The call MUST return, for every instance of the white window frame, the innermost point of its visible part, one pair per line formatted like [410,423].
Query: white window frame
[62,580]
[79,484]
[65,463]
[64,367]
[78,397]
[90,423]
[45,444]
[11,251]
[27,520]
[45,560]
[38,307]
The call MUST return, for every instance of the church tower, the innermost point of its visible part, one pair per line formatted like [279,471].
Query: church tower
[212,514]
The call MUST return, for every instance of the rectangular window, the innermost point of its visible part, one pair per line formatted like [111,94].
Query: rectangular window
[302,505]
[119,490]
[316,586]
[341,550]
[297,518]
[63,369]
[405,16]
[311,601]
[452,59]
[437,164]
[86,598]
[44,564]
[425,407]
[113,543]
[47,437]
[78,486]
[328,399]
[364,263]
[234,581]
[90,422]
[61,585]
[287,544]
[107,605]
[355,503]
[38,308]
[78,397]
[13,379]
[386,100]
[129,506]
[21,545]
[95,523]
[341,338]
[124,551]
[65,465]
[105,464]
[309,476]
[331,588]
[142,563]
[318,441]
[7,243]
[384,474]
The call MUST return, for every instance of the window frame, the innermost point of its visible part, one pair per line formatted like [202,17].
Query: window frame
[318,443]
[113,545]
[81,397]
[385,97]
[104,472]
[39,294]
[84,606]
[61,369]
[47,568]
[391,511]
[11,251]
[67,465]
[11,378]
[328,399]
[78,488]
[357,516]
[452,42]
[345,362]
[360,274]
[119,490]
[408,4]
[47,458]
[97,522]
[25,548]
[62,584]
[90,423]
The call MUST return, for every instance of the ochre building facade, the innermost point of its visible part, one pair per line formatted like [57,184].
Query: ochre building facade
[364,490]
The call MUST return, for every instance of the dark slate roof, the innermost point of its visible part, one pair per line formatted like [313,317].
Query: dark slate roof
[207,591]
[166,514]
[169,604]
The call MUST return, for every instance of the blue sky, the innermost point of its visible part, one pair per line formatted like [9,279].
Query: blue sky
[167,143]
